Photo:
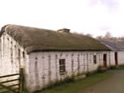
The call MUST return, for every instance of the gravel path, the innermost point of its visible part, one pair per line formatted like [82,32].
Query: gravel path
[114,84]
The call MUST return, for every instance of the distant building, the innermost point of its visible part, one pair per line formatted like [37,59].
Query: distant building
[116,53]
[48,56]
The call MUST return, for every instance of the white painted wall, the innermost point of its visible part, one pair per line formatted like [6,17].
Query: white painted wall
[11,60]
[121,57]
[112,58]
[44,66]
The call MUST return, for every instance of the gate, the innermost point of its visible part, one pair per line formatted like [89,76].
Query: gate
[12,83]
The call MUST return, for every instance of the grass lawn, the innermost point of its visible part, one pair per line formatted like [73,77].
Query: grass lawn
[121,67]
[2,89]
[76,86]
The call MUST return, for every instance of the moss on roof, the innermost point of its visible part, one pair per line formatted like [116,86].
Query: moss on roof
[35,39]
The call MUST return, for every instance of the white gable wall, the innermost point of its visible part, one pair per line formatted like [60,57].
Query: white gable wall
[12,56]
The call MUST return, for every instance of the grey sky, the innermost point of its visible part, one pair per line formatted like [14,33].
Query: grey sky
[94,17]
[111,5]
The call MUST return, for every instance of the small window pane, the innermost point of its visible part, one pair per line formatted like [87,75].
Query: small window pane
[62,66]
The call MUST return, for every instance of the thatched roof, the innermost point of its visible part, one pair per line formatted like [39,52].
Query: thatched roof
[35,39]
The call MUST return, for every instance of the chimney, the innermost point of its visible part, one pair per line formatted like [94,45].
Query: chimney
[64,30]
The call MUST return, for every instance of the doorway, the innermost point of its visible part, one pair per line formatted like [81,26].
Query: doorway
[105,60]
[116,58]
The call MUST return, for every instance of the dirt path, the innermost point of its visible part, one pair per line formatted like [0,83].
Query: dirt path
[114,84]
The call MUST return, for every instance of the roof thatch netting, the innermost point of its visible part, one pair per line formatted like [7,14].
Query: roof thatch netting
[35,39]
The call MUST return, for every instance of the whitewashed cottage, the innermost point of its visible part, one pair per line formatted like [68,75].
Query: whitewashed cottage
[48,56]
[116,53]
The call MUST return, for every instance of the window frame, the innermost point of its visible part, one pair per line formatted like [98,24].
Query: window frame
[94,59]
[62,66]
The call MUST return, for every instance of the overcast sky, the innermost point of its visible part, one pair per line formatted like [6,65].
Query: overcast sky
[94,17]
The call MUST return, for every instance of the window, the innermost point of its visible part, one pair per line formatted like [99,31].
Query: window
[62,66]
[94,59]
[23,53]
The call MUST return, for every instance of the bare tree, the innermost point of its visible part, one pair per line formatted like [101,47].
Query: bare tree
[107,36]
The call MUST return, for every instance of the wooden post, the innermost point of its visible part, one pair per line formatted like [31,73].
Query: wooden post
[21,81]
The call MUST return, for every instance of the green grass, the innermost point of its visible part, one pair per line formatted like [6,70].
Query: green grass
[76,86]
[3,89]
[121,67]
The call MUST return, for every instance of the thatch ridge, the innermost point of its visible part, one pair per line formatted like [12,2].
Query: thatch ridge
[35,39]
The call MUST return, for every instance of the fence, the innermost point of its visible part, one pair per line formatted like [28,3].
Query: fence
[12,83]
